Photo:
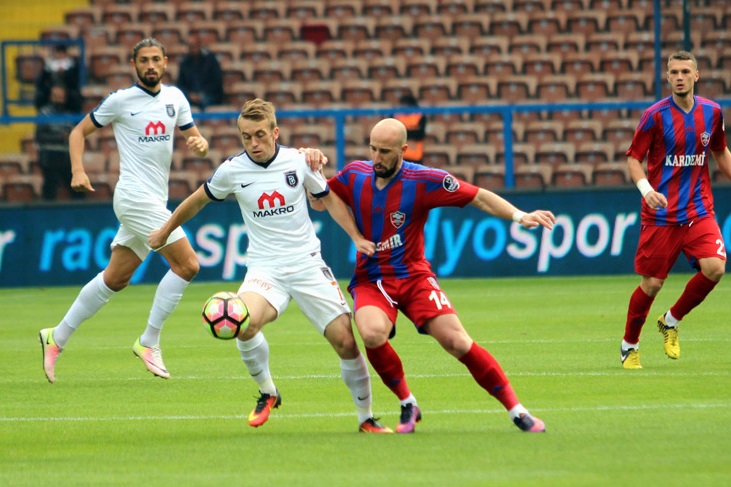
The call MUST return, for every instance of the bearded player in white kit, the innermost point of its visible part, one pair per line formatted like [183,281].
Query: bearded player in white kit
[144,117]
[270,183]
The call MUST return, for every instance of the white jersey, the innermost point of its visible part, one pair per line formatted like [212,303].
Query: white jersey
[144,128]
[273,203]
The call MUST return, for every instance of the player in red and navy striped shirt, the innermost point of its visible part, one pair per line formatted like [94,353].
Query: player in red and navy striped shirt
[676,134]
[391,199]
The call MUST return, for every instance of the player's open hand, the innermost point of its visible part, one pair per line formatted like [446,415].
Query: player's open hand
[197,144]
[538,217]
[81,184]
[314,157]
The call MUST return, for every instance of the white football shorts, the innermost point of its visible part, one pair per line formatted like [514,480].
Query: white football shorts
[138,218]
[312,285]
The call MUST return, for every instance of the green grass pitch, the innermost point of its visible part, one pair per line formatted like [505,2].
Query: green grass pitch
[106,421]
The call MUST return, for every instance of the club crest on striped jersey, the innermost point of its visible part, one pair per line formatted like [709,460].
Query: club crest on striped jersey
[291,178]
[450,183]
[398,218]
[705,139]
[170,109]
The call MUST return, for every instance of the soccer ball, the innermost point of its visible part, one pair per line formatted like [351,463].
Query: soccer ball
[224,315]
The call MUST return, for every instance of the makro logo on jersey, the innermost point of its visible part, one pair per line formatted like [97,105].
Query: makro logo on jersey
[154,132]
[272,204]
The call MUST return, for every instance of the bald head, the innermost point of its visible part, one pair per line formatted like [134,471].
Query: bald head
[390,132]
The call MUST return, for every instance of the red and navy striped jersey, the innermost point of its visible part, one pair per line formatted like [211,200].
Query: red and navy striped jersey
[677,146]
[394,217]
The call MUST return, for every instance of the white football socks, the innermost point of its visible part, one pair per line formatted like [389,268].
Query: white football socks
[91,298]
[167,296]
[355,375]
[255,354]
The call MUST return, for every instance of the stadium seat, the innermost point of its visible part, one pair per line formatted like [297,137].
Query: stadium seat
[266,10]
[411,47]
[488,45]
[586,21]
[426,66]
[12,164]
[714,84]
[626,21]
[22,188]
[579,63]
[226,140]
[303,70]
[523,154]
[271,70]
[578,131]
[572,175]
[640,41]
[28,67]
[83,17]
[494,134]
[555,153]
[547,23]
[517,88]
[634,85]
[341,9]
[503,65]
[455,7]
[493,6]
[181,184]
[119,14]
[322,93]
[431,26]
[258,52]
[528,43]
[156,13]
[594,152]
[130,34]
[470,26]
[171,33]
[464,133]
[719,39]
[465,173]
[595,86]
[238,93]
[386,68]
[611,174]
[568,5]
[542,131]
[476,89]
[508,24]
[285,95]
[393,89]
[356,28]
[119,77]
[312,9]
[475,155]
[243,32]
[541,64]
[566,43]
[360,92]
[532,176]
[619,131]
[335,49]
[378,8]
[555,88]
[449,46]
[228,11]
[463,66]
[373,49]
[194,12]
[490,177]
[414,8]
[278,31]
[437,91]
[347,68]
[439,155]
[393,28]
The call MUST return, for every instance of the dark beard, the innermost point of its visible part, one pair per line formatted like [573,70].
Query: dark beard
[387,173]
[149,83]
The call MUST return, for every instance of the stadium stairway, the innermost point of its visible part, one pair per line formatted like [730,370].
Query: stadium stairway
[26,19]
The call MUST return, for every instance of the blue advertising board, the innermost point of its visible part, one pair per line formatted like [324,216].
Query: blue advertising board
[596,233]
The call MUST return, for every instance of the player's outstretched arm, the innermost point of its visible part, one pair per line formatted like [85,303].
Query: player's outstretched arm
[342,215]
[77,139]
[184,212]
[493,204]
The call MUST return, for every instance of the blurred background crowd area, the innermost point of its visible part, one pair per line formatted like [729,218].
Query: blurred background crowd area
[344,54]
